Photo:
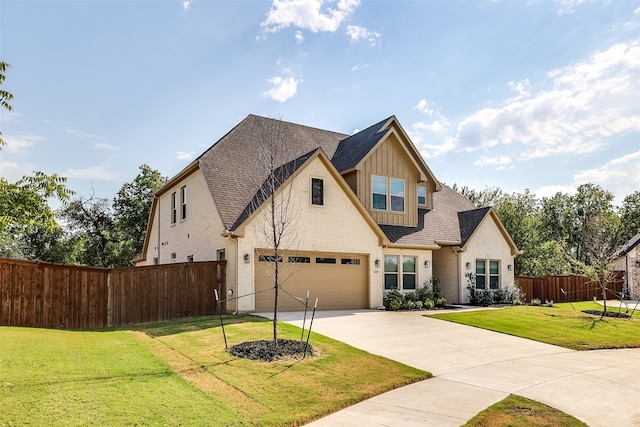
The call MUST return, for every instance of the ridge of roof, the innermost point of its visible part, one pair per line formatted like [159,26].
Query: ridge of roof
[632,243]
[281,175]
[469,221]
[353,148]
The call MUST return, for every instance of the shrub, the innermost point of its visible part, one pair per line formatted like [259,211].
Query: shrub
[419,305]
[428,304]
[393,300]
[441,302]
[536,301]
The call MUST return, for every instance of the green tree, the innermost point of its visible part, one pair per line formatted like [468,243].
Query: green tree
[630,217]
[5,96]
[25,213]
[132,206]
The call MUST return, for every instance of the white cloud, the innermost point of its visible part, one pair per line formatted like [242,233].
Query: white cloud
[621,174]
[359,67]
[313,15]
[568,6]
[551,190]
[299,37]
[282,88]
[188,156]
[357,33]
[586,103]
[82,134]
[186,5]
[637,11]
[423,107]
[18,144]
[105,147]
[500,162]
[100,172]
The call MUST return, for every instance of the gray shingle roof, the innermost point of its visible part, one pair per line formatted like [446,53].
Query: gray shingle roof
[236,178]
[632,243]
[441,224]
[354,148]
[231,167]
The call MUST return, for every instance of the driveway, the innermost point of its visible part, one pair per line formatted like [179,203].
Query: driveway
[475,368]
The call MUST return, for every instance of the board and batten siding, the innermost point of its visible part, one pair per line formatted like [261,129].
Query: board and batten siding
[390,160]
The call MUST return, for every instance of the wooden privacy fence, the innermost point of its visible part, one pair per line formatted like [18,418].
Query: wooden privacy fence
[577,288]
[63,296]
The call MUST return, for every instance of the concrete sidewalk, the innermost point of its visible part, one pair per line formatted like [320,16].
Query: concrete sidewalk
[475,368]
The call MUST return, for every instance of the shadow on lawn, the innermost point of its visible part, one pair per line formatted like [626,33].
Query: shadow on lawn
[190,324]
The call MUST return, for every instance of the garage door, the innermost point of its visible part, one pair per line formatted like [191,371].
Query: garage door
[338,280]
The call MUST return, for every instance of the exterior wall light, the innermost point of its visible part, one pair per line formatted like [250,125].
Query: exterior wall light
[468,265]
[377,263]
[509,267]
[246,258]
[427,264]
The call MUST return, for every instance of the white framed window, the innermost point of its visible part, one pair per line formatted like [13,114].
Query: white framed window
[397,194]
[409,272]
[400,272]
[422,195]
[174,207]
[222,255]
[379,192]
[183,203]
[487,274]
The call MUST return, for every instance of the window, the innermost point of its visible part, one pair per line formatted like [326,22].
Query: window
[155,261]
[173,255]
[317,191]
[174,208]
[325,260]
[408,272]
[222,255]
[300,259]
[269,258]
[494,274]
[422,195]
[190,258]
[183,203]
[349,261]
[391,272]
[379,191]
[490,276]
[397,195]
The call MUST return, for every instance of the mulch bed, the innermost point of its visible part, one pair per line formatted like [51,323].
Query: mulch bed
[265,351]
[608,314]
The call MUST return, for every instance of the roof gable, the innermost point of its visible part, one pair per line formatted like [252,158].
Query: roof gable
[632,243]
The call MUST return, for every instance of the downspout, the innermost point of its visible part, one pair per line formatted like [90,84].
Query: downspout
[233,237]
[159,225]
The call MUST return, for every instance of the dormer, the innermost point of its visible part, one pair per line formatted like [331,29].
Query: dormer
[387,173]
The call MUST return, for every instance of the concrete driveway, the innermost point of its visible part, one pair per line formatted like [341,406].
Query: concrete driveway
[474,369]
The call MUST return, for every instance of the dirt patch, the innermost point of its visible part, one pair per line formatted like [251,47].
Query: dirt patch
[613,314]
[266,351]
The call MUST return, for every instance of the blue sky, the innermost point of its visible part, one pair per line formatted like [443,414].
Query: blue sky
[542,95]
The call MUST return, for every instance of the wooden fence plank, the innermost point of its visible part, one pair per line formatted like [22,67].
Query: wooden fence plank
[61,296]
[576,288]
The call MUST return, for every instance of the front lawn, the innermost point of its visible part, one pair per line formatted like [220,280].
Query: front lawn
[178,373]
[559,325]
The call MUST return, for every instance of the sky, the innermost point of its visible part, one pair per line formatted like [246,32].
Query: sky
[541,94]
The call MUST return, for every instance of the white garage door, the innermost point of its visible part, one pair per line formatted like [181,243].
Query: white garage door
[338,280]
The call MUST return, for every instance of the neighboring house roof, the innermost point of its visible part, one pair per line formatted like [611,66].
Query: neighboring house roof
[627,247]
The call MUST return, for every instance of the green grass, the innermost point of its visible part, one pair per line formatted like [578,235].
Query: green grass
[178,373]
[517,411]
[559,325]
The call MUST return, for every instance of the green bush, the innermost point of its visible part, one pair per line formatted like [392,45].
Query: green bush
[426,297]
[393,300]
[428,304]
[441,302]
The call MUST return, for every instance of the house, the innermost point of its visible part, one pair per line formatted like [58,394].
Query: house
[368,215]
[628,261]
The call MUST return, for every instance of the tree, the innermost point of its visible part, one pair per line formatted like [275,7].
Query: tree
[630,217]
[600,252]
[132,206]
[276,222]
[111,234]
[5,96]
[25,212]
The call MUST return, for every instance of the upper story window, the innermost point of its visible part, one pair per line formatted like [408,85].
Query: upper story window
[387,194]
[174,208]
[487,273]
[422,195]
[183,203]
[379,190]
[397,194]
[317,191]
